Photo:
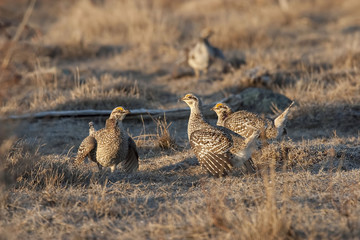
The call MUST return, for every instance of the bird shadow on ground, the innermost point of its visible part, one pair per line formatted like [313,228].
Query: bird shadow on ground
[183,165]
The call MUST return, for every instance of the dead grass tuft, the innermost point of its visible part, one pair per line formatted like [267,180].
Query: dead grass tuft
[26,168]
[53,172]
[20,158]
[306,155]
[104,92]
[164,139]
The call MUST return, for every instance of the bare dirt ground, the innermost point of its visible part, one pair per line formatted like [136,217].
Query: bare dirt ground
[73,55]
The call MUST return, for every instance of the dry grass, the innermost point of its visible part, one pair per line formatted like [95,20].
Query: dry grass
[164,138]
[100,54]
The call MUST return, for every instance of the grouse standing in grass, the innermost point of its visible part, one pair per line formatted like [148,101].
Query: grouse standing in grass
[202,54]
[111,145]
[218,149]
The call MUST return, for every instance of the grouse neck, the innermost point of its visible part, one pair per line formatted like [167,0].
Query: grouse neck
[222,116]
[110,123]
[196,120]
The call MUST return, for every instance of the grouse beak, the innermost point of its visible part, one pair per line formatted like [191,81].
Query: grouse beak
[127,111]
[213,109]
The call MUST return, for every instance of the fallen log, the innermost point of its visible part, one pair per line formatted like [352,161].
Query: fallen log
[135,113]
[145,114]
[253,99]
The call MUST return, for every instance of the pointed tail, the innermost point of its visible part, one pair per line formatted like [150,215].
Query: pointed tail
[281,119]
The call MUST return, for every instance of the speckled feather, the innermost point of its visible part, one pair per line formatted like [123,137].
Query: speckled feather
[246,123]
[86,149]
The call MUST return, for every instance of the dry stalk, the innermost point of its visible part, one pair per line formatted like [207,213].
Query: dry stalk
[17,35]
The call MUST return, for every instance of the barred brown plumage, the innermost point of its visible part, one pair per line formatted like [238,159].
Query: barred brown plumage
[245,123]
[111,145]
[218,149]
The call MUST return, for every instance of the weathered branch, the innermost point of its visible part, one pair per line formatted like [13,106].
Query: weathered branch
[257,100]
[98,113]
[178,113]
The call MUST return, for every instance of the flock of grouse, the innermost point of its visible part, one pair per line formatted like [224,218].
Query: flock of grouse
[218,148]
